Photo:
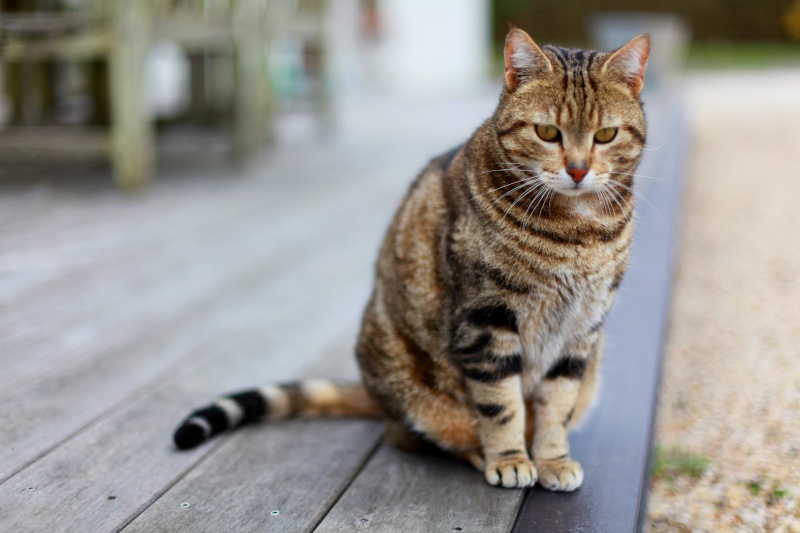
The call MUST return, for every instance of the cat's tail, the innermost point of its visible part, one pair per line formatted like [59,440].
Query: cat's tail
[306,398]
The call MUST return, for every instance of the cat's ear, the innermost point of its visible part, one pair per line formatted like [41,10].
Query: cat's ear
[629,63]
[524,59]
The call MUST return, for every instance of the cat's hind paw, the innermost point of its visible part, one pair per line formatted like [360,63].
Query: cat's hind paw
[560,474]
[511,472]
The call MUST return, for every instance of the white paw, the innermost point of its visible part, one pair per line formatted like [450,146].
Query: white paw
[511,472]
[560,474]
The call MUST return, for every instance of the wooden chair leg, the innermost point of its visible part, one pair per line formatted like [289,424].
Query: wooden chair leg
[321,94]
[14,88]
[199,103]
[251,111]
[101,110]
[132,132]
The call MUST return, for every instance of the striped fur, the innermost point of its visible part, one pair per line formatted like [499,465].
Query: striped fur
[484,332]
[308,398]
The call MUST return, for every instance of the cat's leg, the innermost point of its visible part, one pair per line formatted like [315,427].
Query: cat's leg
[489,352]
[501,425]
[555,400]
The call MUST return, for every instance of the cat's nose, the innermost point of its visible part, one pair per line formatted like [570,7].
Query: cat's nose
[577,172]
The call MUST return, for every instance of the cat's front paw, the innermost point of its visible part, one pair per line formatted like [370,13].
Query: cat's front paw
[560,474]
[511,472]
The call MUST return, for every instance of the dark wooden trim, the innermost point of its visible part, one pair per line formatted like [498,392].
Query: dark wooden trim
[614,446]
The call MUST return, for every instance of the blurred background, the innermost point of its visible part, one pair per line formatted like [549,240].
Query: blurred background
[195,180]
[230,71]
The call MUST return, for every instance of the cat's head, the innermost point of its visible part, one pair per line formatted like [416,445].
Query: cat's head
[573,118]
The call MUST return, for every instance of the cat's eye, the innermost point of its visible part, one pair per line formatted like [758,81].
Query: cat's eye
[547,132]
[605,135]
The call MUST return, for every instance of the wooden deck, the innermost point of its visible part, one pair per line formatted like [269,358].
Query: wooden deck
[120,314]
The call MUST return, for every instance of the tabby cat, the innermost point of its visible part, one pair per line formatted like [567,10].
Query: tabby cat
[484,333]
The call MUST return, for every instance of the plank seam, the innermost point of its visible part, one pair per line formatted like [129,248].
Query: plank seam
[133,516]
[352,480]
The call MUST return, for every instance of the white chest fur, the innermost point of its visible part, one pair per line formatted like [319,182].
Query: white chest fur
[559,315]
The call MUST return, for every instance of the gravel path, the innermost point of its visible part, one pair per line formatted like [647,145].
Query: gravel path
[730,393]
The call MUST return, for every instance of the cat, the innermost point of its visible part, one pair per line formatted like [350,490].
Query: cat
[484,333]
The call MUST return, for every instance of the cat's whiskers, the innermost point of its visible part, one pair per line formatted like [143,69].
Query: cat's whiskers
[525,182]
[550,202]
[616,194]
[610,196]
[638,176]
[541,196]
[524,193]
[551,194]
[504,186]
[659,147]
[615,197]
[533,188]
[508,170]
[605,203]
[610,181]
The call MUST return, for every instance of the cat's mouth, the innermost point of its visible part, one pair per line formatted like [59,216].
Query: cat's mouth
[576,189]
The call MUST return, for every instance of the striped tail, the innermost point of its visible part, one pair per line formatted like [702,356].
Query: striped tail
[307,398]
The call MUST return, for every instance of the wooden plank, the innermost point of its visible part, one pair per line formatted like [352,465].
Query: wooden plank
[123,301]
[57,219]
[131,296]
[400,491]
[614,445]
[80,47]
[128,453]
[292,471]
[68,234]
[55,404]
[59,392]
[42,24]
[68,142]
[93,300]
[128,297]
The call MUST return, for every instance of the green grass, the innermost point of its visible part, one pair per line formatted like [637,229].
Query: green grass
[673,463]
[755,487]
[724,54]
[777,493]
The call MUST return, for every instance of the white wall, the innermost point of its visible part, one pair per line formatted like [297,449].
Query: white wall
[433,47]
